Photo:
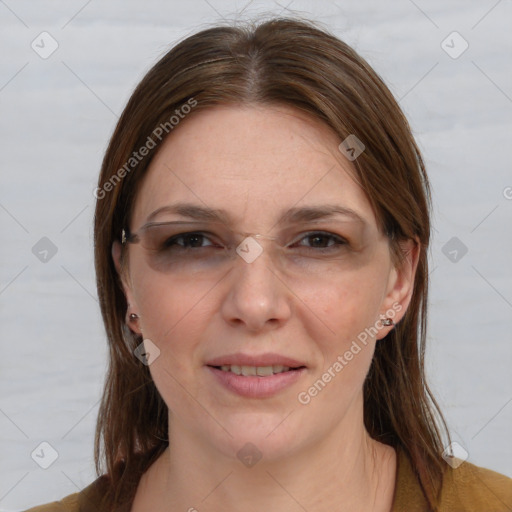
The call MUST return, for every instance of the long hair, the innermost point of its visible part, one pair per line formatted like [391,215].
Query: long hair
[289,62]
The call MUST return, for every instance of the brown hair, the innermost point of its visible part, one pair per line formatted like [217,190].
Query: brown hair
[290,62]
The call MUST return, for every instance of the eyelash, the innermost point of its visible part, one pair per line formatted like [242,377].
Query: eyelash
[338,240]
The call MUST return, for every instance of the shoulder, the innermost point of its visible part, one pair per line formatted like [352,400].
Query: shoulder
[91,498]
[68,504]
[473,488]
[466,488]
[87,500]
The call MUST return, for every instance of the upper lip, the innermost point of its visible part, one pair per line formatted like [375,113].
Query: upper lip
[268,359]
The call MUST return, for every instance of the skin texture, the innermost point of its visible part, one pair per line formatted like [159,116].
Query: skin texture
[256,162]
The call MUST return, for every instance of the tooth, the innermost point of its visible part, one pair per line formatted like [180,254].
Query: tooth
[261,371]
[236,369]
[264,371]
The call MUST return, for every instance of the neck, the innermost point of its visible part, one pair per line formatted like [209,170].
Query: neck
[347,471]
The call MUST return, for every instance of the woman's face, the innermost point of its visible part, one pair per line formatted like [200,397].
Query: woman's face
[310,298]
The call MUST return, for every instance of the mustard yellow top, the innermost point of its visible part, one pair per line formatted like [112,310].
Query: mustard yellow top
[468,488]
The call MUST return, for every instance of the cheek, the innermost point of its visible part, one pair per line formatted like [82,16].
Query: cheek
[167,307]
[173,316]
[347,346]
[346,308]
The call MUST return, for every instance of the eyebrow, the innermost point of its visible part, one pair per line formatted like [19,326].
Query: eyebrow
[293,215]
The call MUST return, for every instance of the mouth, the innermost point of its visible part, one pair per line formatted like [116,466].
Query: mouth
[256,371]
[253,376]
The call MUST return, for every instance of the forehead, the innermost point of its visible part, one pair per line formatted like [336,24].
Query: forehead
[255,162]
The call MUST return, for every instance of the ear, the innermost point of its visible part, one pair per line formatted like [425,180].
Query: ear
[127,287]
[400,284]
[117,249]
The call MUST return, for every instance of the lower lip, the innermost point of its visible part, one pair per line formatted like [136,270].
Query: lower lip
[254,386]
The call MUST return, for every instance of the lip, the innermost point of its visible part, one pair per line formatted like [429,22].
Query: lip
[255,386]
[267,359]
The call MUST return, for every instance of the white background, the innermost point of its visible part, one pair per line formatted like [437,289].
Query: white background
[55,121]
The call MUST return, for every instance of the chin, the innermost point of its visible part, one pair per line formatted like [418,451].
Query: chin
[256,437]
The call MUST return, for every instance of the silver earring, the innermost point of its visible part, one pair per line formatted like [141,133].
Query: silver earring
[387,322]
[133,316]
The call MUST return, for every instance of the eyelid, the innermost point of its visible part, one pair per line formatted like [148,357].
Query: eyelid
[200,227]
[181,228]
[328,234]
[174,223]
[287,227]
[213,239]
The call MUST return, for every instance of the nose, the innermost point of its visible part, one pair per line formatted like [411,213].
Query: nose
[256,298]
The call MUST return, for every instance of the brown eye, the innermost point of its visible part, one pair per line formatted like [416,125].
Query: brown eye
[322,240]
[188,241]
